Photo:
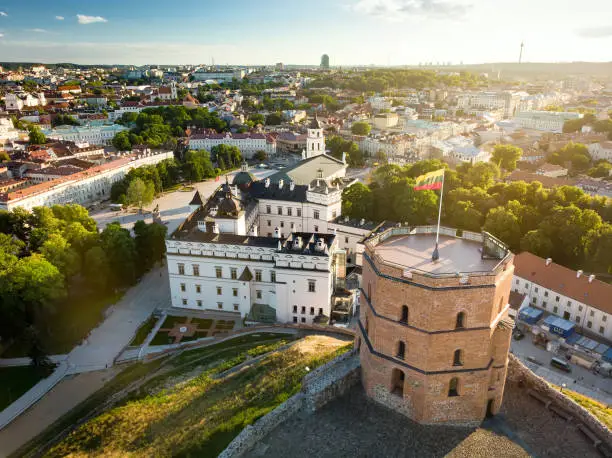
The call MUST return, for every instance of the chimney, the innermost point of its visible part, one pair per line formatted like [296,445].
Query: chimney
[291,186]
[591,278]
[215,228]
[254,231]
[276,233]
[362,222]
[548,261]
[579,273]
[320,246]
[267,182]
[281,182]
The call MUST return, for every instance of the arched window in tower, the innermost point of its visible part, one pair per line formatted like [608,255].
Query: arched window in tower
[319,146]
[312,147]
[460,320]
[318,134]
[370,291]
[453,387]
[458,358]
[401,350]
[501,305]
[404,317]
[397,382]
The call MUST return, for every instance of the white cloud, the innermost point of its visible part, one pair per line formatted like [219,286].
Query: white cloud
[37,30]
[1,35]
[59,18]
[3,13]
[400,10]
[83,19]
[596,32]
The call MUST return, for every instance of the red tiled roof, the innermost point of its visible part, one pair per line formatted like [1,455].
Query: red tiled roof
[42,187]
[564,281]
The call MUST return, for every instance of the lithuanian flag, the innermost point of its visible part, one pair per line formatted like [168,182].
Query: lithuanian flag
[431,180]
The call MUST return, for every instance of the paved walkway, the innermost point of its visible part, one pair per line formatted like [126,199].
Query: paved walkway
[13,362]
[60,400]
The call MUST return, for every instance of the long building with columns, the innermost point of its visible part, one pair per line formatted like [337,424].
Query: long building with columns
[433,336]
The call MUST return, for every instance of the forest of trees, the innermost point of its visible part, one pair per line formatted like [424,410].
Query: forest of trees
[160,127]
[563,223]
[52,254]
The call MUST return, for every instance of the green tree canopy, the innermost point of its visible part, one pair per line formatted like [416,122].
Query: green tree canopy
[361,128]
[140,193]
[506,156]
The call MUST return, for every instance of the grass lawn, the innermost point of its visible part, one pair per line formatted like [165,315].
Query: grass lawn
[143,331]
[161,338]
[72,321]
[14,381]
[599,410]
[203,323]
[171,320]
[199,416]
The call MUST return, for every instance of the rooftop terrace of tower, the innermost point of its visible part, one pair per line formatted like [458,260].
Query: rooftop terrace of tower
[461,253]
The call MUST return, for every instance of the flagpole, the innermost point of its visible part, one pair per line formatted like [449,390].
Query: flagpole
[436,254]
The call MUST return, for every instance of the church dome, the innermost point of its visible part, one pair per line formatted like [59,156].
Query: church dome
[243,179]
[229,206]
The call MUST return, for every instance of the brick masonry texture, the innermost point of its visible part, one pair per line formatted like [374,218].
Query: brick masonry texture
[427,364]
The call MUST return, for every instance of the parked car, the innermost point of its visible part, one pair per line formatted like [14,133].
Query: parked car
[558,363]
[518,334]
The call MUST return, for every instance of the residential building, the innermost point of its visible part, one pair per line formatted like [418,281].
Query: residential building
[97,135]
[569,294]
[601,150]
[383,121]
[82,187]
[248,143]
[544,120]
[218,76]
[16,101]
[506,101]
[433,336]
[551,170]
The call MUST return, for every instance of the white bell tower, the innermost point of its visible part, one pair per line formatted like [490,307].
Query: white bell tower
[315,140]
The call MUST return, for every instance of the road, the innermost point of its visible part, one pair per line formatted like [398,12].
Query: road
[173,206]
[580,379]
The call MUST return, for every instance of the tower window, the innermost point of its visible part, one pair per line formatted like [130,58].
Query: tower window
[401,350]
[458,358]
[397,382]
[404,317]
[460,320]
[453,387]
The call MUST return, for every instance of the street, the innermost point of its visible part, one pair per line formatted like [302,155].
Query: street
[580,379]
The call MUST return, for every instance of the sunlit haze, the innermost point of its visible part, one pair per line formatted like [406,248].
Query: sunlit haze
[379,32]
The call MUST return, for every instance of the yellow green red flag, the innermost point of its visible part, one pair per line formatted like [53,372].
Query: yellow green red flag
[431,180]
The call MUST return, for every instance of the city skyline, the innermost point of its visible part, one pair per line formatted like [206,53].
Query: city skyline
[352,32]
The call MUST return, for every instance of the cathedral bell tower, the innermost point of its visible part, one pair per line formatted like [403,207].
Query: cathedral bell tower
[315,140]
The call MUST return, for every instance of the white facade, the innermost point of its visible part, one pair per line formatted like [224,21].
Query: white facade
[584,315]
[298,287]
[601,150]
[15,102]
[544,120]
[81,188]
[248,144]
[505,101]
[97,135]
[385,120]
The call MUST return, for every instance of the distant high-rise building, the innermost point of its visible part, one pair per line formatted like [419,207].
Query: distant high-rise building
[325,61]
[279,66]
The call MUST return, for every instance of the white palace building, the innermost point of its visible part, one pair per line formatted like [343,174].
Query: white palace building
[270,250]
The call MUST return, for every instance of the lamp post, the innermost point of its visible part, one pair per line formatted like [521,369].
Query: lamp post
[563,385]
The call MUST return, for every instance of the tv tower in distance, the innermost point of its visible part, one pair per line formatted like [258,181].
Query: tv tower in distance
[521,53]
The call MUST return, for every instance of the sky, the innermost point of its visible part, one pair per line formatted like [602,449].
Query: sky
[351,32]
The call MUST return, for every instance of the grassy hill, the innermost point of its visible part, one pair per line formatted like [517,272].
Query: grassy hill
[195,406]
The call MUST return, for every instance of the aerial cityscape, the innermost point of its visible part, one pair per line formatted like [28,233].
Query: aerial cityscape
[238,230]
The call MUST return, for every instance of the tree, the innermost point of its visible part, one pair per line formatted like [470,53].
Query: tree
[416,207]
[4,157]
[36,136]
[480,174]
[273,119]
[381,156]
[121,141]
[537,243]
[504,225]
[260,155]
[59,253]
[197,165]
[120,250]
[357,201]
[96,268]
[361,128]
[506,156]
[257,118]
[601,170]
[140,193]
[150,243]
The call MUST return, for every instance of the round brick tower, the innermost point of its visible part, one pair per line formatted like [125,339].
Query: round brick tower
[433,337]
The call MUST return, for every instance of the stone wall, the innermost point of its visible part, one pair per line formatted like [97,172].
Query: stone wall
[521,375]
[318,388]
[252,434]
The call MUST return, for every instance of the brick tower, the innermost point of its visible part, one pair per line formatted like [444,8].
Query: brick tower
[433,337]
